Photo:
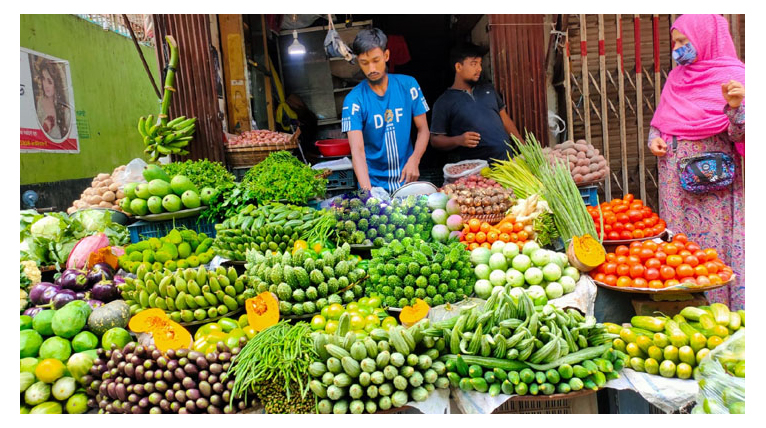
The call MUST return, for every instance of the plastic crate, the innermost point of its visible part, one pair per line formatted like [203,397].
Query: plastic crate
[341,178]
[141,230]
[589,195]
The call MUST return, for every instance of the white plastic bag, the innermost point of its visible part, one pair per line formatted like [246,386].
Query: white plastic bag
[133,173]
[449,177]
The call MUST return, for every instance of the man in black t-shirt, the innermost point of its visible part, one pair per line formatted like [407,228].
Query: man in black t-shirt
[469,117]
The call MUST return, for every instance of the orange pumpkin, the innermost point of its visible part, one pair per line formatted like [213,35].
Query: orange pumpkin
[412,314]
[262,311]
[103,255]
[167,333]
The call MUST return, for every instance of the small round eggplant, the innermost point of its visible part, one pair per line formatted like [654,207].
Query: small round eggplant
[205,388]
[213,379]
[224,357]
[168,375]
[176,386]
[218,388]
[180,396]
[161,386]
[155,398]
[171,353]
[162,361]
[179,373]
[170,395]
[191,370]
[156,354]
[155,410]
[190,406]
[216,400]
[183,361]
[143,402]
[165,405]
[149,387]
[175,407]
[201,363]
[213,410]
[148,375]
[226,395]
[203,375]
[133,398]
[201,403]
[188,383]
[216,368]
[172,364]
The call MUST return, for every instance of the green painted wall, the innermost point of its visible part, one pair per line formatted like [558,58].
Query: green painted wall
[111,91]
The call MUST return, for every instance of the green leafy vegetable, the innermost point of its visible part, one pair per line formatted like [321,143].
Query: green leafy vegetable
[282,177]
[203,173]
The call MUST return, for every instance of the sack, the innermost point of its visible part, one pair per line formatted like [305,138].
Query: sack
[334,46]
[707,172]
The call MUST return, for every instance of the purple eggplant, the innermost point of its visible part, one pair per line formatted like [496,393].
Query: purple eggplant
[105,291]
[37,291]
[32,311]
[50,293]
[74,279]
[95,303]
[80,295]
[62,298]
[100,272]
[118,280]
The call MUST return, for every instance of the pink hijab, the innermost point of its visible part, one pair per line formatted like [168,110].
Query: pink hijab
[691,105]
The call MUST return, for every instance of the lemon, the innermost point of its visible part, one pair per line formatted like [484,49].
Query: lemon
[49,370]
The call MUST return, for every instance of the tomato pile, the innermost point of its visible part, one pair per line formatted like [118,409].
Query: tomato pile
[477,233]
[627,218]
[651,265]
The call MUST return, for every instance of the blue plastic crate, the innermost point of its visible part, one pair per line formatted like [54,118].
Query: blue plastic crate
[341,178]
[142,230]
[589,195]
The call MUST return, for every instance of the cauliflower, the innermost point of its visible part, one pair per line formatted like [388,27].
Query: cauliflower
[23,302]
[30,274]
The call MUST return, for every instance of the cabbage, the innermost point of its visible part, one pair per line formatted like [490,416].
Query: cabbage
[48,227]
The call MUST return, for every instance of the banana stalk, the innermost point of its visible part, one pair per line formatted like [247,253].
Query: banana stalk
[169,79]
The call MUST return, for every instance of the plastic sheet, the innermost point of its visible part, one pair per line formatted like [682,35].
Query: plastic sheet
[720,392]
[133,173]
[449,178]
[583,298]
[668,394]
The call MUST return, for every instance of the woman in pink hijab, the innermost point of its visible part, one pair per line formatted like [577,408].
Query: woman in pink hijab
[702,110]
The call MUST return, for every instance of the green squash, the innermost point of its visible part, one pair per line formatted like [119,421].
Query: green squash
[113,314]
[70,320]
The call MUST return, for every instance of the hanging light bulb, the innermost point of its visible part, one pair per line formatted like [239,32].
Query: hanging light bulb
[296,48]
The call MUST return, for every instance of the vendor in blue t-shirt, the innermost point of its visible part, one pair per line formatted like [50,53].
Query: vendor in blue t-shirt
[469,117]
[378,115]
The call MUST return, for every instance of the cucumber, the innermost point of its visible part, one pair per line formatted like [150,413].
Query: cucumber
[652,324]
[486,362]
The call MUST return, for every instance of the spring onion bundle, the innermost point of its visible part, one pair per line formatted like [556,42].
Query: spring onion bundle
[559,190]
[515,174]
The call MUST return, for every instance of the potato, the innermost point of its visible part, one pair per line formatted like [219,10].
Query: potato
[102,176]
[583,162]
[101,190]
[581,147]
[602,164]
[95,200]
[70,210]
[570,151]
[596,152]
[105,204]
[581,155]
[590,153]
[565,145]
[114,187]
[594,167]
[578,178]
[108,196]
[119,194]
[572,158]
[106,183]
[588,177]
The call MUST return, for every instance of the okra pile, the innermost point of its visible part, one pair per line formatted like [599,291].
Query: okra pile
[385,370]
[512,346]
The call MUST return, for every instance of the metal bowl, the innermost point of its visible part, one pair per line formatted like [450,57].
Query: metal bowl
[117,216]
[415,188]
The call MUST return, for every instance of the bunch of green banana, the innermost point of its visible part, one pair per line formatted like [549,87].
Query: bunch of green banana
[166,139]
[187,294]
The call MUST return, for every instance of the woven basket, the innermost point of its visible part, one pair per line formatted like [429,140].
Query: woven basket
[242,157]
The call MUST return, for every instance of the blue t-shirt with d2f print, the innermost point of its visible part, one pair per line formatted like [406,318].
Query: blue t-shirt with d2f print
[385,122]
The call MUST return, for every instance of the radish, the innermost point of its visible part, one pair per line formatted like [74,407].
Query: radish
[454,222]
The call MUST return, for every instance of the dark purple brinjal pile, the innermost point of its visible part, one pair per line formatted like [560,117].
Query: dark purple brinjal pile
[97,287]
[141,379]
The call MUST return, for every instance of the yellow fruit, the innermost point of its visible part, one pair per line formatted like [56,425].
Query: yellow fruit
[49,370]
[485,172]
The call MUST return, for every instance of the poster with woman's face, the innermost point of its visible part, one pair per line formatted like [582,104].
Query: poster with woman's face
[47,105]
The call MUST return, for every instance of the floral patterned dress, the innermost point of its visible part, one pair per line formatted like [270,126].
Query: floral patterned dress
[712,220]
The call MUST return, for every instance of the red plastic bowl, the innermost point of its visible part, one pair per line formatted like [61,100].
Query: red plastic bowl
[334,147]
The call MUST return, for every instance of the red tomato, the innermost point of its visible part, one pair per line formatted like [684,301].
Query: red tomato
[632,260]
[680,237]
[691,261]
[628,198]
[651,274]
[691,246]
[610,257]
[725,276]
[715,279]
[618,226]
[711,254]
[623,218]
[635,250]
[637,271]
[671,283]
[662,225]
[684,253]
[610,280]
[661,256]
[635,215]
[667,272]
[616,201]
[651,245]
[623,270]
[652,262]
[656,284]
[607,228]
[640,224]
[621,208]
[684,270]
[599,277]
[630,227]
[622,260]
[645,254]
[640,283]
[689,279]
[622,250]
[650,222]
[610,268]
[649,232]
[700,270]
[669,249]
[624,281]
[711,267]
[703,281]
[638,234]
[625,234]
[700,255]
[647,212]
[674,261]
[614,236]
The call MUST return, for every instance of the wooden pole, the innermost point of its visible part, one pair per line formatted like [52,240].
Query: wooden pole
[604,107]
[621,93]
[585,82]
[639,107]
[568,87]
[141,55]
[266,78]
[657,62]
